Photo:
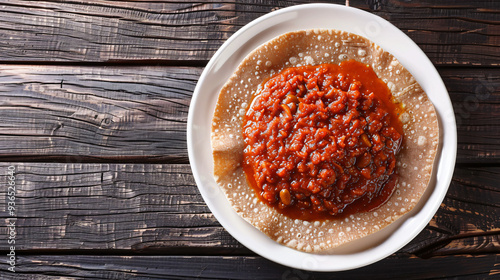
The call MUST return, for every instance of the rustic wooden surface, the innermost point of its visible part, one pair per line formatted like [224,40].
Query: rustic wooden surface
[94,97]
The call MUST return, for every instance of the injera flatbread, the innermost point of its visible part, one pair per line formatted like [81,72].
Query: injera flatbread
[313,47]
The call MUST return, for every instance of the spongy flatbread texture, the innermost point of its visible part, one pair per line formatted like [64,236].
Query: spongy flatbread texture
[312,47]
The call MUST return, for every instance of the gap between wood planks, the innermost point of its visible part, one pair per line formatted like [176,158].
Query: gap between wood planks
[241,267]
[180,63]
[113,63]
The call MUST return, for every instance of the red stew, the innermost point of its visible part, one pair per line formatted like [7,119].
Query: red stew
[321,141]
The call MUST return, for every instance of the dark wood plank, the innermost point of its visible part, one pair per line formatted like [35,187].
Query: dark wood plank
[464,33]
[78,114]
[139,114]
[476,101]
[111,206]
[449,32]
[242,267]
[157,208]
[461,224]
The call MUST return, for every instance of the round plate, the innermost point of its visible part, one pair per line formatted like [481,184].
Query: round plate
[225,61]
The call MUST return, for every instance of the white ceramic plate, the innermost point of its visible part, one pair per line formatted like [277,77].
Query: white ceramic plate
[363,251]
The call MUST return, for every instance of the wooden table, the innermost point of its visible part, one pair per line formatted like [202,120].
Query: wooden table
[94,97]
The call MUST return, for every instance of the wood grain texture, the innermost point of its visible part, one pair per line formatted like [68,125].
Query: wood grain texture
[138,114]
[242,267]
[157,208]
[467,26]
[94,102]
[111,206]
[474,195]
[453,33]
[475,96]
[75,114]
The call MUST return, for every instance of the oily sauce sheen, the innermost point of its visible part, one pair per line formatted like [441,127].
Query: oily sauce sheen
[321,141]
